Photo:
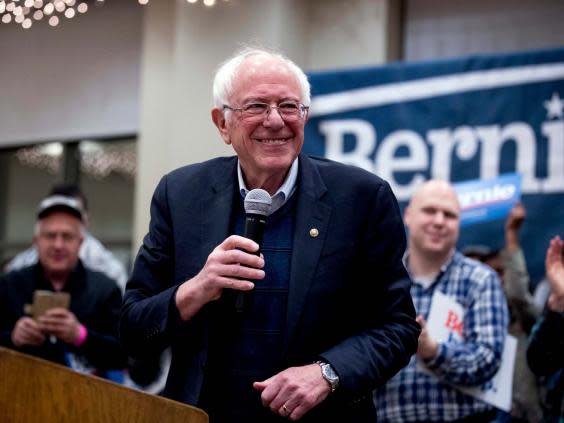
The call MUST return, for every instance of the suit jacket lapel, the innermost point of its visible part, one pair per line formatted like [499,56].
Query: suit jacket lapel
[312,213]
[216,207]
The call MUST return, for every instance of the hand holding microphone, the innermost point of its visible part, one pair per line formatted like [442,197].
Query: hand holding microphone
[258,204]
[233,264]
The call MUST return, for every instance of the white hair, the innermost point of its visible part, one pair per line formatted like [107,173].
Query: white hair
[227,71]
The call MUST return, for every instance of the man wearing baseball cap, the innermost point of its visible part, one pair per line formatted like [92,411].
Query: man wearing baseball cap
[83,336]
[92,252]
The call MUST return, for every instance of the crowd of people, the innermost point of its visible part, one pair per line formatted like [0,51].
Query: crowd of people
[337,323]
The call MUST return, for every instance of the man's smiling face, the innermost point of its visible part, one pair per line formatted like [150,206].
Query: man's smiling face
[267,145]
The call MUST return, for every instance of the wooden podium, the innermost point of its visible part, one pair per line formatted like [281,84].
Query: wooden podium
[35,390]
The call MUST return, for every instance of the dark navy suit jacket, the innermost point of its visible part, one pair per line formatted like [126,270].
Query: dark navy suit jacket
[349,300]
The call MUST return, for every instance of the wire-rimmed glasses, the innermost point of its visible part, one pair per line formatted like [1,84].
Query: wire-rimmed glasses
[290,111]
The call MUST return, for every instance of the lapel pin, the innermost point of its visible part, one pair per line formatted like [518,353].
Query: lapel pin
[313,232]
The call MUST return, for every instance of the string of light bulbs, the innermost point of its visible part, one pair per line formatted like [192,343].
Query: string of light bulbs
[27,12]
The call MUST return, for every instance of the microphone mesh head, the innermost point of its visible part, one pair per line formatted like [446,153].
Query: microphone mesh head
[258,201]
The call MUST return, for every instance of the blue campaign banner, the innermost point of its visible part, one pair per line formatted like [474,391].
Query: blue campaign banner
[471,118]
[487,200]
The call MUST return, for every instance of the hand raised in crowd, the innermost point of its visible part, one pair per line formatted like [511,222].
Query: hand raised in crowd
[60,323]
[555,274]
[513,223]
[230,265]
[27,333]
[427,347]
[294,391]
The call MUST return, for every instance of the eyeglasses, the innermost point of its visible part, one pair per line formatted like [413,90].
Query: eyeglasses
[290,111]
[52,236]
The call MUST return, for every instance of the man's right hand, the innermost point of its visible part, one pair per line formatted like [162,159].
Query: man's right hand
[27,333]
[230,265]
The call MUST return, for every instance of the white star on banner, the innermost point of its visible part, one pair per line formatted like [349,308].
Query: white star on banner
[554,106]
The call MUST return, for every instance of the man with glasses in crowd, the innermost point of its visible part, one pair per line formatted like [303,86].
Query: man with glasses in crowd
[331,317]
[92,253]
[83,336]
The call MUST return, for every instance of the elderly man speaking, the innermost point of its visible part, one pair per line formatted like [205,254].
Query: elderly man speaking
[329,317]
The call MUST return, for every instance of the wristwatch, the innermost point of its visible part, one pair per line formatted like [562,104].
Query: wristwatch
[329,374]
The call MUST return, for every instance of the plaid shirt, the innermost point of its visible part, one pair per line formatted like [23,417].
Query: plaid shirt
[413,396]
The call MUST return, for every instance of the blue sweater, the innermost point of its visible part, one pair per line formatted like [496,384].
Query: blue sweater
[246,347]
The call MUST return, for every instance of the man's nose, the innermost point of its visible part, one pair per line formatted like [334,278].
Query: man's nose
[273,118]
[58,242]
[439,218]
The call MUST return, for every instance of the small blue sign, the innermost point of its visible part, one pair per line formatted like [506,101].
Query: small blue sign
[488,200]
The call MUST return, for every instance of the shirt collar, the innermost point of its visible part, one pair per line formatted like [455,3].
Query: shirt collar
[442,270]
[284,192]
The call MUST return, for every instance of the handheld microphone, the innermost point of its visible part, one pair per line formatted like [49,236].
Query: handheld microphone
[258,204]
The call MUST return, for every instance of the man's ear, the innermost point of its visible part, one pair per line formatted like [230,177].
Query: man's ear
[218,117]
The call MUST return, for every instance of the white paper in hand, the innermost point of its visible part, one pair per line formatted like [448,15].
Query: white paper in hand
[446,323]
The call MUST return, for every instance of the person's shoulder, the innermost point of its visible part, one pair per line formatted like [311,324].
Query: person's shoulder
[477,272]
[18,278]
[202,169]
[99,281]
[23,259]
[347,180]
[186,184]
[95,253]
[329,167]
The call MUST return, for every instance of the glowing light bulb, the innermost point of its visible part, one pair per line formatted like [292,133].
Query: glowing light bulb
[60,6]
[49,8]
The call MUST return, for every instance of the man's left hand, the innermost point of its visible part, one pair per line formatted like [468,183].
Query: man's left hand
[61,323]
[294,391]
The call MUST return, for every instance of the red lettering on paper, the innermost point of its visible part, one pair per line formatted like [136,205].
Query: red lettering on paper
[454,323]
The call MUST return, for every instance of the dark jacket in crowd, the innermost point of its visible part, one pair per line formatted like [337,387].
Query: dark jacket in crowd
[545,357]
[95,301]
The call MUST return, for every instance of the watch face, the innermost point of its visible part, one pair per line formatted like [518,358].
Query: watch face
[329,374]
[328,371]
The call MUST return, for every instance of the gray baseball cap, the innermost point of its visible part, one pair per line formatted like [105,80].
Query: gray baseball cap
[60,203]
